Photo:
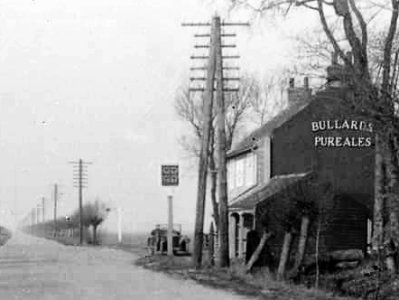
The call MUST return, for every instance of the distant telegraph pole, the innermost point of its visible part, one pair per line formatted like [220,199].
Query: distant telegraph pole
[214,74]
[43,211]
[37,213]
[80,182]
[55,208]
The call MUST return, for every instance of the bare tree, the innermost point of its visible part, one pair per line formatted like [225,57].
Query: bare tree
[375,86]
[268,100]
[188,106]
[94,213]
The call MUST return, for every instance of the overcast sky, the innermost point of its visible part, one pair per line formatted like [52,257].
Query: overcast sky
[96,80]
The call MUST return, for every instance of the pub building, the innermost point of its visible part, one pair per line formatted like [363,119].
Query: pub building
[315,140]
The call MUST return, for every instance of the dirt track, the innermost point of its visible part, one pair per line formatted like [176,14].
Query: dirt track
[33,268]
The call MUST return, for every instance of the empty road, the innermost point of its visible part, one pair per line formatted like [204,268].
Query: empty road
[34,268]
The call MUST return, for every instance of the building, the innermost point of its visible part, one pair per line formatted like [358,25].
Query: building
[315,141]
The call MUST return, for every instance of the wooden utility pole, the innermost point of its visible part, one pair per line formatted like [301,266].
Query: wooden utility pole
[80,202]
[80,182]
[203,159]
[119,210]
[37,213]
[43,211]
[214,71]
[221,152]
[55,208]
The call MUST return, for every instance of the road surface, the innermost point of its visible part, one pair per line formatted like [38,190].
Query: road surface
[34,268]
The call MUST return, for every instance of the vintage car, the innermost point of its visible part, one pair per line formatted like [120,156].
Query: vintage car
[157,241]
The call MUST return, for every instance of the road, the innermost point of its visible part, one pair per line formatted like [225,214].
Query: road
[34,268]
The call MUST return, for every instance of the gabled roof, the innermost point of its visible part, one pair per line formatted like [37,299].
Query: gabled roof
[267,129]
[250,198]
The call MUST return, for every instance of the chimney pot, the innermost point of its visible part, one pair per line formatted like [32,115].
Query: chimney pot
[292,83]
[349,55]
[306,82]
[334,58]
[298,95]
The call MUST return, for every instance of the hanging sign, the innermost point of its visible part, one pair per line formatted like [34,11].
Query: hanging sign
[170,175]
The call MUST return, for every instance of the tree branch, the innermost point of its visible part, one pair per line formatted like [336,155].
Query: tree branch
[329,34]
[386,65]
[362,23]
[360,56]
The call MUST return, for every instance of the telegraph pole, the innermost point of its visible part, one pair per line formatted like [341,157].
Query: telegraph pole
[119,210]
[80,202]
[43,202]
[214,73]
[203,159]
[32,214]
[55,208]
[221,153]
[80,182]
[37,213]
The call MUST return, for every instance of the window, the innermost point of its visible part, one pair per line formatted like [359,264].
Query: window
[241,171]
[230,175]
[239,175]
[250,170]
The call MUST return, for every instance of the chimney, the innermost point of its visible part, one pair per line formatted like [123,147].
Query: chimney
[299,95]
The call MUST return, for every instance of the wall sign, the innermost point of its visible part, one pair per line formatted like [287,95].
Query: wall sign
[344,140]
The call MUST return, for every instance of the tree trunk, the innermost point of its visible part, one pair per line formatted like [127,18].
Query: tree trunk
[392,236]
[303,238]
[224,259]
[212,245]
[94,234]
[203,161]
[285,252]
[317,252]
[265,237]
[379,192]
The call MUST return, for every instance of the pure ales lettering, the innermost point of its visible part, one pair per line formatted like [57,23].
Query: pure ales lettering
[348,140]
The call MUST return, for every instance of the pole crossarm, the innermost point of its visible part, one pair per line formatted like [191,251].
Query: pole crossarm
[230,56]
[235,24]
[198,24]
[207,46]
[199,57]
[202,24]
[224,89]
[224,79]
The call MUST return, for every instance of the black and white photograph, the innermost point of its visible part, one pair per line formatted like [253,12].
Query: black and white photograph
[199,149]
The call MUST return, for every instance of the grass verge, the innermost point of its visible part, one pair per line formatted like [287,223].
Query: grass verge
[260,285]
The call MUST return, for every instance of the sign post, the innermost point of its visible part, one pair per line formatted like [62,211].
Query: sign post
[170,177]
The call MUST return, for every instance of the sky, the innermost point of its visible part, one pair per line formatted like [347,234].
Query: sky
[96,80]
